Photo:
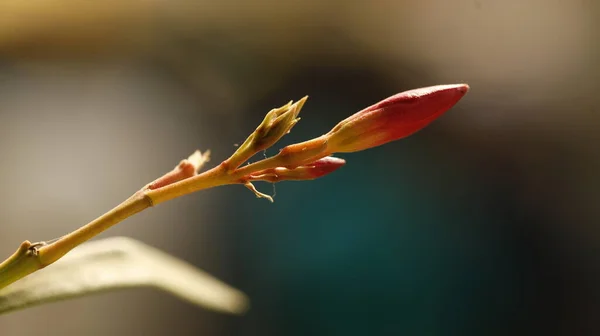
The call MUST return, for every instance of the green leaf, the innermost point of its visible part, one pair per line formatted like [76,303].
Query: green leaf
[118,263]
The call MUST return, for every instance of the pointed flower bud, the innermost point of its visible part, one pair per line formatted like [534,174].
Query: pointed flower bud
[308,171]
[277,123]
[393,118]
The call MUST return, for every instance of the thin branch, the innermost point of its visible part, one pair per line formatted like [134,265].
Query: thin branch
[394,118]
[52,252]
[31,257]
[185,169]
[182,180]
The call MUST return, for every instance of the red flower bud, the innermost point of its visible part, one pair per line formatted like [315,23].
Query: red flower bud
[308,171]
[393,118]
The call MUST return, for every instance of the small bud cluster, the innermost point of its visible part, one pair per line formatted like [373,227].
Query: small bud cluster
[277,123]
[391,119]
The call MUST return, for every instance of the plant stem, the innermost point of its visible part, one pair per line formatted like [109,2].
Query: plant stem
[214,177]
[23,261]
[267,163]
[48,254]
[32,257]
[181,181]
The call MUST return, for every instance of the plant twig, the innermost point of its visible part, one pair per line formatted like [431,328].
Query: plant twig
[182,180]
[391,119]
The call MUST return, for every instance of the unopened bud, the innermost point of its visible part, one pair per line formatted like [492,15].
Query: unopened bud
[308,171]
[393,118]
[277,123]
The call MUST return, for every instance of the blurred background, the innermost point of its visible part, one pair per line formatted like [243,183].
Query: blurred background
[484,223]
